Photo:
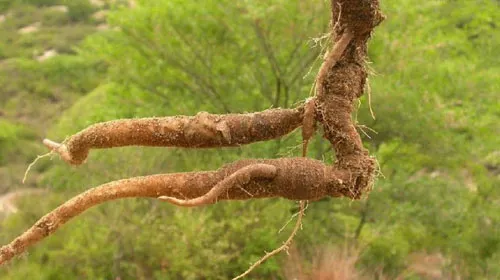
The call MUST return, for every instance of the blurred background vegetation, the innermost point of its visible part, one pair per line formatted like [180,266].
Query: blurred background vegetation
[434,212]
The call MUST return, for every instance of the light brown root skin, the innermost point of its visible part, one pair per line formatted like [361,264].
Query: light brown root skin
[332,59]
[239,178]
[292,178]
[201,131]
[58,148]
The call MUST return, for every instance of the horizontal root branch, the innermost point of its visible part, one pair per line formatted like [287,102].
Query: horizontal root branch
[201,131]
[292,178]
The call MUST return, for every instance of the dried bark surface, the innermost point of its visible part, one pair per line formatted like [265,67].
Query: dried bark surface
[340,81]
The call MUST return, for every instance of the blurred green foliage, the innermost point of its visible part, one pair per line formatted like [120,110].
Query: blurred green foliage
[11,135]
[434,90]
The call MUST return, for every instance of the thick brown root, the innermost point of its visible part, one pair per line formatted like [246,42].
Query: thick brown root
[238,179]
[201,131]
[292,178]
[340,81]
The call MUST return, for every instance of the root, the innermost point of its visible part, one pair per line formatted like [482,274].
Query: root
[369,93]
[238,178]
[340,81]
[332,58]
[59,148]
[291,178]
[308,124]
[283,247]
[307,131]
[33,164]
[201,131]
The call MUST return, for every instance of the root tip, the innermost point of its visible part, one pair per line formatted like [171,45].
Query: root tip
[54,146]
[60,149]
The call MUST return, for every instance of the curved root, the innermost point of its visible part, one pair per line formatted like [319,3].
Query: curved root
[238,178]
[292,178]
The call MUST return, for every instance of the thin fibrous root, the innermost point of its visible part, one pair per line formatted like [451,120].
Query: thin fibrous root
[28,169]
[283,247]
[238,178]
